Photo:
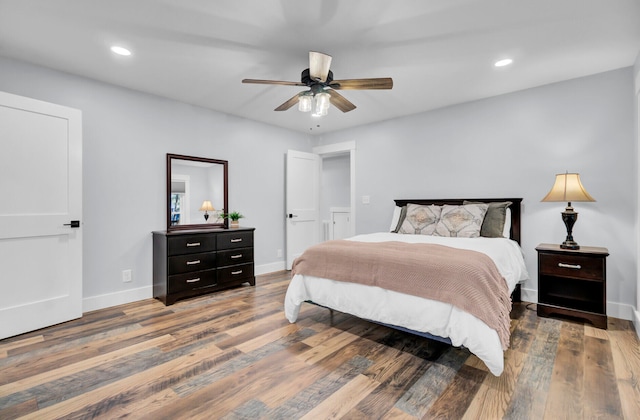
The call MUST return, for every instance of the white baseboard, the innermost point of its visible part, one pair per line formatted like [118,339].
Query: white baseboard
[614,309]
[93,303]
[270,268]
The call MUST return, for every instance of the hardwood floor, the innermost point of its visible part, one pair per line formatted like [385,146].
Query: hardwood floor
[233,355]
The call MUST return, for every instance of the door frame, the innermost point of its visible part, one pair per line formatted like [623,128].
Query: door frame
[336,149]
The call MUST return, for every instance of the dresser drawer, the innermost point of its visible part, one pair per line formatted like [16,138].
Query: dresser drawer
[235,273]
[190,244]
[233,240]
[191,262]
[234,257]
[192,281]
[574,266]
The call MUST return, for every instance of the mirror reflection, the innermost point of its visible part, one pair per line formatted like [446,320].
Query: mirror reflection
[197,192]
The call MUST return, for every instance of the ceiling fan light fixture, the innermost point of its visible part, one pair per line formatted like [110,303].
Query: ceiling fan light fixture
[321,102]
[305,103]
[319,65]
[116,49]
[504,62]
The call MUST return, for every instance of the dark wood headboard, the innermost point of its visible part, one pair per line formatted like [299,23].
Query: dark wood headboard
[515,208]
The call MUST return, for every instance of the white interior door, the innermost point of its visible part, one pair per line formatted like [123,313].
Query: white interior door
[41,190]
[303,203]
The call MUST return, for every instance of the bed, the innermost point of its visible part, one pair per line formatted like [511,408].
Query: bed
[472,273]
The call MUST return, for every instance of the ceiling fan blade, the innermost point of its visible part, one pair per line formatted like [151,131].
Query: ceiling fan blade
[288,104]
[319,64]
[377,83]
[272,82]
[340,101]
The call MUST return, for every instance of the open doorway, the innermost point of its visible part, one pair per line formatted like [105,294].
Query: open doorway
[337,192]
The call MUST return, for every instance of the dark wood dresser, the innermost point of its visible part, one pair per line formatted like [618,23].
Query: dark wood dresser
[573,282]
[195,262]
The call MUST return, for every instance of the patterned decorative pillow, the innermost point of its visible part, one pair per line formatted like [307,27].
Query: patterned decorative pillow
[461,221]
[493,225]
[420,220]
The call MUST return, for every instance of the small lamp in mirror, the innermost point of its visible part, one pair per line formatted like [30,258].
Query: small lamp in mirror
[568,188]
[206,207]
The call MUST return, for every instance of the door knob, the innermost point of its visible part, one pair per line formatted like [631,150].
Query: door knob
[73,224]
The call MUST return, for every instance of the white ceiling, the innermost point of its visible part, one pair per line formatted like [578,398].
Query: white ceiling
[438,52]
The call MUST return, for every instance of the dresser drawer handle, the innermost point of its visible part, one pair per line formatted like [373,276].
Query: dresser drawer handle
[236,256]
[236,272]
[193,244]
[574,266]
[193,262]
[236,240]
[193,280]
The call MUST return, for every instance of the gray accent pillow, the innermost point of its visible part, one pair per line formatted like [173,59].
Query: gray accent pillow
[461,221]
[420,220]
[494,220]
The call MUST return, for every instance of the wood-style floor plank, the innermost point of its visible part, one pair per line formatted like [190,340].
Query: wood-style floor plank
[233,355]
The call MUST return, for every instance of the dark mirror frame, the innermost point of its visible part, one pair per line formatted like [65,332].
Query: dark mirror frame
[224,224]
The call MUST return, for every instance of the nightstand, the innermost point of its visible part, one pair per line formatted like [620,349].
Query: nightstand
[573,282]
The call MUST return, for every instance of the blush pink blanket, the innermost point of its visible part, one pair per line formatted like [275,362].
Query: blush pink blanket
[466,279]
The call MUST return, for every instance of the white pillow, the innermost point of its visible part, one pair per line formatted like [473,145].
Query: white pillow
[395,218]
[506,231]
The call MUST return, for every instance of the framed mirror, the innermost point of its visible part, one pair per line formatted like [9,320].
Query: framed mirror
[197,195]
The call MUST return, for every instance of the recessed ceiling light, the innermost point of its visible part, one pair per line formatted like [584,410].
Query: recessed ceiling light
[120,50]
[502,63]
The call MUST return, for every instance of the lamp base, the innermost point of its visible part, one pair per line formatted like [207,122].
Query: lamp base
[569,217]
[569,245]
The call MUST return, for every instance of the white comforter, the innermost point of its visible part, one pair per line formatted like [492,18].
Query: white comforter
[414,313]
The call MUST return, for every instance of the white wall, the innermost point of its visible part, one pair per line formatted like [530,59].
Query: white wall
[512,146]
[126,137]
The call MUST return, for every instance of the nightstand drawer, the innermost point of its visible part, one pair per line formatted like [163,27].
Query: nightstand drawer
[192,281]
[191,262]
[573,266]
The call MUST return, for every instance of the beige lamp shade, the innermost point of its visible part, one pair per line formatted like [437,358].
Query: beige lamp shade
[568,188]
[206,206]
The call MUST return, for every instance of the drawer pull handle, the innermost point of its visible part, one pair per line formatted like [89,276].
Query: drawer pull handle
[193,244]
[236,240]
[193,280]
[236,256]
[574,266]
[236,272]
[193,262]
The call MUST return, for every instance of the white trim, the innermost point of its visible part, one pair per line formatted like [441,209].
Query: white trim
[335,148]
[270,268]
[338,149]
[108,300]
[528,295]
[636,322]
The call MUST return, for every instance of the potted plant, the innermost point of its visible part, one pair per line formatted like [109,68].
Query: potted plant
[234,216]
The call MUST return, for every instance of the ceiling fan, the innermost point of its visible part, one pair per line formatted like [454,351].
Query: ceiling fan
[322,88]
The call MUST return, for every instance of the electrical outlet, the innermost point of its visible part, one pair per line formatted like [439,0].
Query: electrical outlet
[279,253]
[126,276]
